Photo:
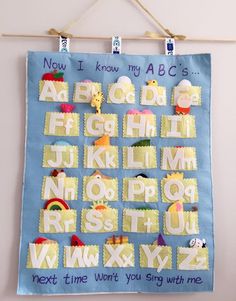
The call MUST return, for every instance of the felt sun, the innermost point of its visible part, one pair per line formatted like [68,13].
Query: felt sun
[100,205]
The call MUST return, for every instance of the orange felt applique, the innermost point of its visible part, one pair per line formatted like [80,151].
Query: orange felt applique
[104,140]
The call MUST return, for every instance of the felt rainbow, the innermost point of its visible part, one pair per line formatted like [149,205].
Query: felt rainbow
[56,204]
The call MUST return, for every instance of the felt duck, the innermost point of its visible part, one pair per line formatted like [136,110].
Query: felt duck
[152,82]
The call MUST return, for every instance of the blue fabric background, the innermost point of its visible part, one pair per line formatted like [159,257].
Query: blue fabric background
[199,73]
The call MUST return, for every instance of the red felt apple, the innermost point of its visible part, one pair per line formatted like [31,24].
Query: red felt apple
[54,76]
[40,240]
[76,242]
[67,108]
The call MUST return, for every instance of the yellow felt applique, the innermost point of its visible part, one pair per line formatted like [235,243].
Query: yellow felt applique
[181,223]
[118,255]
[99,221]
[191,92]
[178,158]
[65,188]
[178,126]
[99,189]
[153,95]
[157,257]
[53,91]
[121,93]
[61,124]
[192,259]
[101,156]
[64,156]
[96,125]
[96,101]
[81,256]
[57,221]
[140,189]
[139,125]
[42,256]
[139,157]
[84,91]
[140,220]
[175,188]
[120,239]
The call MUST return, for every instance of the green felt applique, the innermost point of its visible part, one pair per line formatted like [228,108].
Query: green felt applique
[118,255]
[140,220]
[192,258]
[84,91]
[139,157]
[57,221]
[65,188]
[154,256]
[53,91]
[61,124]
[99,189]
[99,221]
[121,93]
[81,256]
[174,188]
[180,223]
[42,256]
[178,158]
[139,125]
[140,189]
[60,156]
[145,142]
[96,125]
[178,126]
[101,156]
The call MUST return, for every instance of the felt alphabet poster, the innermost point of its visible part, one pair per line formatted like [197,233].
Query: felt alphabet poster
[117,193]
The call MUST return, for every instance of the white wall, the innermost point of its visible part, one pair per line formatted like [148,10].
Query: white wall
[193,18]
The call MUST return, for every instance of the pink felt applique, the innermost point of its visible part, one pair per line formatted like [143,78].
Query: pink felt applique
[67,108]
[135,111]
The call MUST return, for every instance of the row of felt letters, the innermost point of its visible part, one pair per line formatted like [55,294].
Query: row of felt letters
[107,157]
[46,256]
[174,187]
[134,125]
[118,93]
[100,218]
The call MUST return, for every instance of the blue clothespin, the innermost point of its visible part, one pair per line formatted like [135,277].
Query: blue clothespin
[64,44]
[169,46]
[116,45]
